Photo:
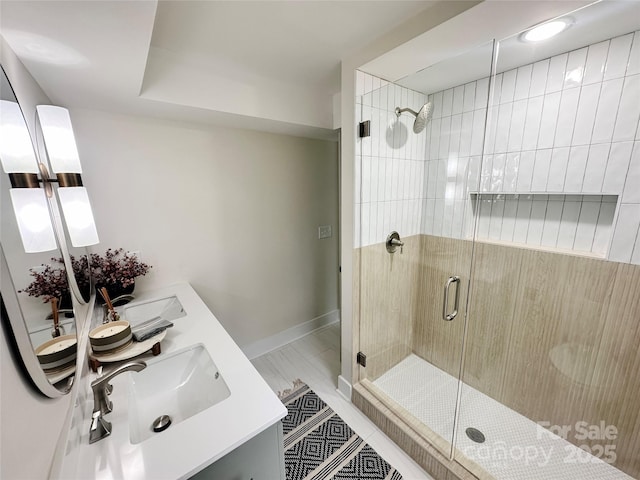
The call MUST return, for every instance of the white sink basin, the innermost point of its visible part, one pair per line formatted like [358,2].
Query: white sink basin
[179,385]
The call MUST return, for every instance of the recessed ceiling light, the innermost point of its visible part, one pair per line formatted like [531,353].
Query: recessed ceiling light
[546,30]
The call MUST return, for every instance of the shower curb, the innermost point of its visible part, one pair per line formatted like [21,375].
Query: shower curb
[434,462]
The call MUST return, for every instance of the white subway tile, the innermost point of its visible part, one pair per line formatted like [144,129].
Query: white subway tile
[497,213]
[473,177]
[566,117]
[458,219]
[539,78]
[482,92]
[558,169]
[532,123]
[497,172]
[625,233]
[549,120]
[404,97]
[587,223]
[447,218]
[541,170]
[617,167]
[503,127]
[552,223]
[380,232]
[525,170]
[458,100]
[445,134]
[632,183]
[508,88]
[382,178]
[375,174]
[516,130]
[434,145]
[495,88]
[509,219]
[568,224]
[465,134]
[602,235]
[492,129]
[575,68]
[432,184]
[618,57]
[575,169]
[366,179]
[523,82]
[596,61]
[523,216]
[441,184]
[454,138]
[484,219]
[438,214]
[586,115]
[555,76]
[375,93]
[607,110]
[384,97]
[437,105]
[596,166]
[357,195]
[447,102]
[478,131]
[375,127]
[628,111]
[485,173]
[469,97]
[510,181]
[536,221]
[461,178]
[635,258]
[634,57]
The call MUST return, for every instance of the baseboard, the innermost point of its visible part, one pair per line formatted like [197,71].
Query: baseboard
[344,388]
[280,339]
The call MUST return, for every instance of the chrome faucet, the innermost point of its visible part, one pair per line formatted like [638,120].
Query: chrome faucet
[101,387]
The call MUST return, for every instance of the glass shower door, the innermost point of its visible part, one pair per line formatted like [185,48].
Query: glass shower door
[415,175]
[551,352]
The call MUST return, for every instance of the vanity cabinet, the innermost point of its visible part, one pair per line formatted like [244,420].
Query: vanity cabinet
[261,458]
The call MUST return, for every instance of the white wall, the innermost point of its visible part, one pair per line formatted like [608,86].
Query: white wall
[233,212]
[30,421]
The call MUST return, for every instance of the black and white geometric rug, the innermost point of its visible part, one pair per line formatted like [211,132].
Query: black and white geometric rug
[319,445]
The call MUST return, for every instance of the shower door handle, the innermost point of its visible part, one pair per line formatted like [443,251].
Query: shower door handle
[450,316]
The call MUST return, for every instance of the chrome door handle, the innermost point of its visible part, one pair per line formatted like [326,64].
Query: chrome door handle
[450,316]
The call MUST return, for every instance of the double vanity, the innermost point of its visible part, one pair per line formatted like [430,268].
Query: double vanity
[224,419]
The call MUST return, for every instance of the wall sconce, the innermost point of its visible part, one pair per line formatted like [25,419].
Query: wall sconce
[28,198]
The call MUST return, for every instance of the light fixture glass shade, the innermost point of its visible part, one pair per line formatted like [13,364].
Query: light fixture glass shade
[78,216]
[16,150]
[34,222]
[58,139]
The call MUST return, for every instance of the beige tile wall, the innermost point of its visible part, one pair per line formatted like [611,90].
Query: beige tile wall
[555,337]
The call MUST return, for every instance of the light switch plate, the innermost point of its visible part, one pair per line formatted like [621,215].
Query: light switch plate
[324,231]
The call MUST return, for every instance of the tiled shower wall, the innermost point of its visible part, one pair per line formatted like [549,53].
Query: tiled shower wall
[562,142]
[390,162]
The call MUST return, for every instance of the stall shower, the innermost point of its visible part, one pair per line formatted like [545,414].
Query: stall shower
[514,187]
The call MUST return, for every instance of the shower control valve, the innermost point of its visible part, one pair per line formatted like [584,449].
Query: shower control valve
[393,242]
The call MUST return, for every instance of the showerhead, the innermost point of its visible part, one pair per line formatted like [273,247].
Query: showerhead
[422,116]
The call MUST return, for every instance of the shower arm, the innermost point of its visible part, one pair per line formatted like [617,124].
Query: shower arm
[400,110]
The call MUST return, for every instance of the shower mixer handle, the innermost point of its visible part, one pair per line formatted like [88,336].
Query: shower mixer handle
[393,242]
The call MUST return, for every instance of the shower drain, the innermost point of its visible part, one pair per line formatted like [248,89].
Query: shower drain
[475,435]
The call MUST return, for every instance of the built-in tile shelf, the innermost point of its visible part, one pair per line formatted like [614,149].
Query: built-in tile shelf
[564,223]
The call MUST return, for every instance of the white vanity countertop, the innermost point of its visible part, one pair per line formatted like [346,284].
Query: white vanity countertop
[193,444]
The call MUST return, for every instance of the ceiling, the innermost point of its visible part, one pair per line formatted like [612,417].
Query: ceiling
[265,65]
[591,24]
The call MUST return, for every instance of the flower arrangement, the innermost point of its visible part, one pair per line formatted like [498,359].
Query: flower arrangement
[50,281]
[116,268]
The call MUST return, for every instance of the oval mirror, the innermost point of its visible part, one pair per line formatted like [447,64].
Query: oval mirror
[31,281]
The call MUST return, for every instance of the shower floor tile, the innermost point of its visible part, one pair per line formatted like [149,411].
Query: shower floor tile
[516,448]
